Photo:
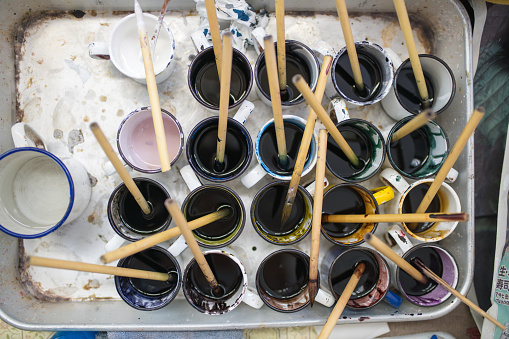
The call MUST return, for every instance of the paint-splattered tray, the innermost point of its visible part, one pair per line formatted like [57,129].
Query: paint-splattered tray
[49,81]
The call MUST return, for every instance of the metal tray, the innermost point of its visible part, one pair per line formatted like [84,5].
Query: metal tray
[48,81]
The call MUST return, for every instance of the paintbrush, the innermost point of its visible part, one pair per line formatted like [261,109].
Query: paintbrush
[341,303]
[119,167]
[467,131]
[93,268]
[404,217]
[404,22]
[306,141]
[155,105]
[414,124]
[428,272]
[143,244]
[275,97]
[224,101]
[159,24]
[181,222]
[303,87]
[350,45]
[316,223]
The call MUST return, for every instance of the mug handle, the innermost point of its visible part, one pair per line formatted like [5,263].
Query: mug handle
[255,175]
[396,60]
[115,243]
[252,299]
[393,179]
[452,175]
[190,177]
[322,48]
[244,112]
[338,106]
[311,187]
[178,246]
[23,135]
[382,194]
[109,169]
[396,236]
[258,34]
[99,51]
[325,298]
[200,42]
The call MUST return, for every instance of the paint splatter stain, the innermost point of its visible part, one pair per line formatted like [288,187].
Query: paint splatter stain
[93,180]
[120,112]
[58,134]
[86,119]
[91,218]
[91,284]
[103,98]
[78,14]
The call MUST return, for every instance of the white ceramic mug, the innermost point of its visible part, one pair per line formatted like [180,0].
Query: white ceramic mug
[137,144]
[124,231]
[124,50]
[337,260]
[39,191]
[205,199]
[376,68]
[437,258]
[263,168]
[194,283]
[446,197]
[440,79]
[203,81]
[420,154]
[272,282]
[348,198]
[297,54]
[202,141]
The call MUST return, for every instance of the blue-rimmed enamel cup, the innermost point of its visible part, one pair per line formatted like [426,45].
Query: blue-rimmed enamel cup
[39,192]
[267,152]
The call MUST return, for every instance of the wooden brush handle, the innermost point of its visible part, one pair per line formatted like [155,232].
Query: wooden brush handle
[303,87]
[84,267]
[158,238]
[181,222]
[119,167]
[389,253]
[342,301]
